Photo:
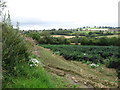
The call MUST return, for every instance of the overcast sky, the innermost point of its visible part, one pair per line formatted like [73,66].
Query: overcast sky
[47,14]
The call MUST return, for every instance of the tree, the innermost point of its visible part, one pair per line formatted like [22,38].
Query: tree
[60,29]
[45,38]
[94,26]
[17,25]
[90,33]
[15,50]
[7,19]
[2,6]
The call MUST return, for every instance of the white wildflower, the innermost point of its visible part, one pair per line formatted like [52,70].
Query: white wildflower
[31,65]
[92,64]
[34,62]
[84,53]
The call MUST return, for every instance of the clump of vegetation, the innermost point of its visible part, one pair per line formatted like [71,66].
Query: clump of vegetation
[31,77]
[46,38]
[112,63]
[89,54]
[102,41]
[15,50]
[16,61]
[34,35]
[94,65]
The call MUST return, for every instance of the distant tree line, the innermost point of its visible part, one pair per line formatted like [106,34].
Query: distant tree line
[74,32]
[103,41]
[46,38]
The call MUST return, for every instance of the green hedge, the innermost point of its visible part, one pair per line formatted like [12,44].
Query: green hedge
[15,50]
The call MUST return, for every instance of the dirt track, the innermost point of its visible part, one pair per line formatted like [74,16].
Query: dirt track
[73,78]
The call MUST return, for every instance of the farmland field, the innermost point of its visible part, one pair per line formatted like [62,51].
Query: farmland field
[96,54]
[110,36]
[63,36]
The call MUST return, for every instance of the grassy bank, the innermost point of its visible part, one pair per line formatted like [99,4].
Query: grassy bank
[54,71]
[101,77]
[32,77]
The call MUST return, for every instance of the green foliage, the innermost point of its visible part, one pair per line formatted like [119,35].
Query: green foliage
[2,6]
[30,77]
[88,62]
[16,58]
[34,35]
[112,62]
[16,69]
[89,54]
[46,38]
[15,50]
[93,67]
[60,32]
[79,32]
[103,41]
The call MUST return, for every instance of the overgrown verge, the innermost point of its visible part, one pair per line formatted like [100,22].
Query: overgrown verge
[18,69]
[15,50]
[32,77]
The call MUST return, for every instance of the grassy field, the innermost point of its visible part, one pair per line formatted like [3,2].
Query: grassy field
[84,36]
[109,36]
[86,32]
[80,32]
[63,36]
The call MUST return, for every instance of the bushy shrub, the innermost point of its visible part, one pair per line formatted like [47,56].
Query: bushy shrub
[15,50]
[34,35]
[112,63]
[102,41]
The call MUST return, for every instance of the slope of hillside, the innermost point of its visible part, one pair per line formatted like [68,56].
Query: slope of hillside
[76,74]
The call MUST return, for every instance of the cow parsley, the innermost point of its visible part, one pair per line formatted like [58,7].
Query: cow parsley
[33,62]
[93,65]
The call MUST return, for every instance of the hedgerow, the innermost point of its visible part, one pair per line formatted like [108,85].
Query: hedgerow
[15,50]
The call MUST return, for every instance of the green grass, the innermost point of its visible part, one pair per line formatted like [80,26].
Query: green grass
[32,77]
[109,36]
[61,82]
[79,32]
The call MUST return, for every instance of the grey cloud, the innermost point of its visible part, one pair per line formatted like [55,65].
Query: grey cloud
[35,21]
